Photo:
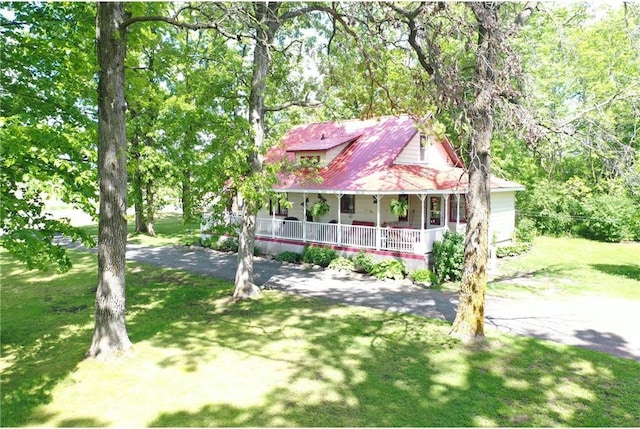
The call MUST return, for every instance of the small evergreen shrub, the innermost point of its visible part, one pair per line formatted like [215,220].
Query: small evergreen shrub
[423,275]
[319,256]
[448,257]
[342,264]
[291,257]
[363,262]
[389,269]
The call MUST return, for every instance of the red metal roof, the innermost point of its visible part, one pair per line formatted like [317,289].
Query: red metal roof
[367,165]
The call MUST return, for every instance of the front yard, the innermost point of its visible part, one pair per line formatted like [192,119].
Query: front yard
[282,360]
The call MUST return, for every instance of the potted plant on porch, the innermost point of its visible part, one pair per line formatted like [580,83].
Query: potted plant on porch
[320,208]
[399,207]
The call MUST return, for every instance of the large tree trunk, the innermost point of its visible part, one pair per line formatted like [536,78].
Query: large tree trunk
[469,322]
[110,334]
[265,29]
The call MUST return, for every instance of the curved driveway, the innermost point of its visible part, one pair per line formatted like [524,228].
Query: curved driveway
[599,323]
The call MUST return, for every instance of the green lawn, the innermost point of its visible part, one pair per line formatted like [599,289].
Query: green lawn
[170,230]
[562,265]
[280,360]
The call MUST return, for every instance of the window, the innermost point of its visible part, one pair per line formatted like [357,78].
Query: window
[453,208]
[280,209]
[310,158]
[348,204]
[423,148]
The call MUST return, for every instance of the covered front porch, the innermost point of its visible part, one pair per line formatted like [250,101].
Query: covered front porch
[364,221]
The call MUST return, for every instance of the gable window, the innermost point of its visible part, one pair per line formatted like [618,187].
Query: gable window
[280,209]
[348,204]
[453,208]
[310,158]
[423,148]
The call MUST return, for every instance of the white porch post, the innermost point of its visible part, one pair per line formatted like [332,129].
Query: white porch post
[446,211]
[304,217]
[273,219]
[423,237]
[339,234]
[378,229]
[457,212]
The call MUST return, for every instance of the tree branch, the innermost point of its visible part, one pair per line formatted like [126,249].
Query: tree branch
[291,104]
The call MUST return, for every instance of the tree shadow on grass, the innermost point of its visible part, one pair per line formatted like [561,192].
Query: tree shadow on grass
[347,366]
[623,270]
[45,333]
[389,369]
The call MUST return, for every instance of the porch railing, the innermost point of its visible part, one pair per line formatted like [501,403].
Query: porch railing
[366,237]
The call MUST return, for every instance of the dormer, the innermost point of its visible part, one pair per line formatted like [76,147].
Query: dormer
[322,150]
[427,149]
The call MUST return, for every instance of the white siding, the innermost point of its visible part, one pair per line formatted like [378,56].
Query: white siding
[436,154]
[503,216]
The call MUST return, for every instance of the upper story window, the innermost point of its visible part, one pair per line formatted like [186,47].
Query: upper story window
[424,148]
[311,158]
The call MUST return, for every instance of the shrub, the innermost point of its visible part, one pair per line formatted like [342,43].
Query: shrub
[229,245]
[448,256]
[363,262]
[291,257]
[609,217]
[513,250]
[342,264]
[526,231]
[423,275]
[319,256]
[389,269]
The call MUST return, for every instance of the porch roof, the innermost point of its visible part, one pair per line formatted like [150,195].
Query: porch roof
[367,165]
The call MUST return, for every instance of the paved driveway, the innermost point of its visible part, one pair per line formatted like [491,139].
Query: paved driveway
[600,323]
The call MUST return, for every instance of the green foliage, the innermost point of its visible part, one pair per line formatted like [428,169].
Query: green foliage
[47,125]
[319,208]
[399,207]
[342,264]
[423,275]
[610,217]
[363,262]
[448,257]
[319,256]
[513,250]
[389,269]
[229,244]
[291,257]
[526,231]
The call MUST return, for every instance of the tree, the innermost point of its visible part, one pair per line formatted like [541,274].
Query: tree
[440,33]
[47,127]
[110,333]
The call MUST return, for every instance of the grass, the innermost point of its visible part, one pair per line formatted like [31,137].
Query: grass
[170,230]
[280,360]
[573,266]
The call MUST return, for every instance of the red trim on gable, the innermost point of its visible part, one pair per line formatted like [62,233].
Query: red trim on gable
[448,147]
